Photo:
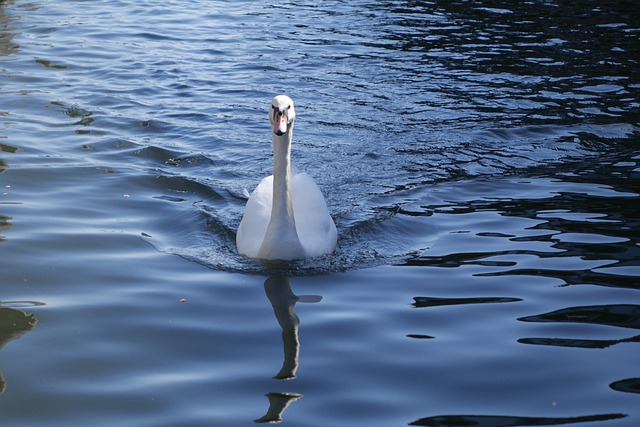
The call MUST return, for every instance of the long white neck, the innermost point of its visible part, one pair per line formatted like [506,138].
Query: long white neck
[281,239]
[282,191]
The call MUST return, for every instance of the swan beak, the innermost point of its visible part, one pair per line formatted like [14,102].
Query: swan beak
[280,123]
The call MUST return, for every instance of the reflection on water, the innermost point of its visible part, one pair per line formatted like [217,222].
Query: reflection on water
[622,315]
[13,324]
[7,46]
[492,149]
[84,118]
[503,421]
[436,302]
[278,402]
[631,385]
[577,343]
[283,301]
[519,69]
[5,225]
[564,229]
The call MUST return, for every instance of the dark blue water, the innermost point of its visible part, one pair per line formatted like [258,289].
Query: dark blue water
[480,160]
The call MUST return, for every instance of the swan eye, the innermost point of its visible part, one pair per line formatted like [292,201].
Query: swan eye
[278,112]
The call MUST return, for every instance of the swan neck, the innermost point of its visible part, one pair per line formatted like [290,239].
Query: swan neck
[282,190]
[281,240]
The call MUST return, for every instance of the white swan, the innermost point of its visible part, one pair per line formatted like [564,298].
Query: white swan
[286,216]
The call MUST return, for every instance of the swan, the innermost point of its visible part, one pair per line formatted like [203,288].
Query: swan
[286,216]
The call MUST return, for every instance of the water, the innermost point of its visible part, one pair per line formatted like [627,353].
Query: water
[480,160]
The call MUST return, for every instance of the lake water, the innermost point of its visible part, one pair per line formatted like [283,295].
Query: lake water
[481,161]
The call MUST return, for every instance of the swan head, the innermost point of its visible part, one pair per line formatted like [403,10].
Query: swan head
[282,114]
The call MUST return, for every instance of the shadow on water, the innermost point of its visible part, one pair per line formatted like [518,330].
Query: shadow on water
[283,301]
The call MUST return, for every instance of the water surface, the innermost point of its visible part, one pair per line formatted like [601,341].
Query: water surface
[480,160]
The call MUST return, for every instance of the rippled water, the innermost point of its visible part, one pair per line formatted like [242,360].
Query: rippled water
[480,160]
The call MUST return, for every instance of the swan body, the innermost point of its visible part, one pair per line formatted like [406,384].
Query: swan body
[286,216]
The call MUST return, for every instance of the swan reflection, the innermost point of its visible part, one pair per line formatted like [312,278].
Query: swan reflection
[278,402]
[283,301]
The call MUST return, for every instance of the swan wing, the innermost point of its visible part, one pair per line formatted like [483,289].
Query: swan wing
[316,229]
[253,226]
